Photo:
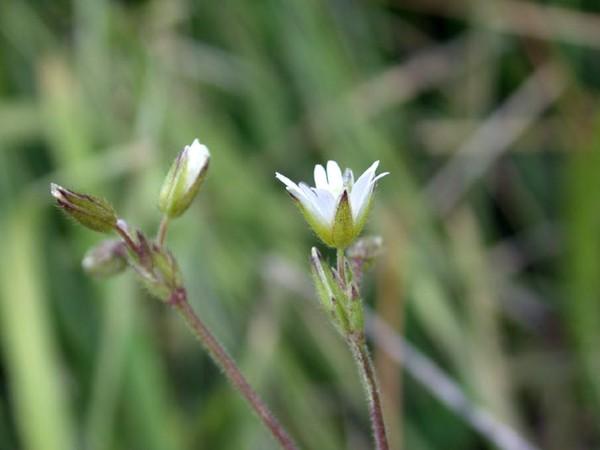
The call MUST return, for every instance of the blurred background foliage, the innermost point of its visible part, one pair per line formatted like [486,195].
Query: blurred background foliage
[483,111]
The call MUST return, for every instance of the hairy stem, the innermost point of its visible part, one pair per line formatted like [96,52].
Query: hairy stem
[367,372]
[225,362]
[162,231]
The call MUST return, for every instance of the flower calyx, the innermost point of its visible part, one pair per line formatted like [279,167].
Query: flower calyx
[156,267]
[92,212]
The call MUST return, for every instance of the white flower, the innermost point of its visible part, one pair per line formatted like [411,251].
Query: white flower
[337,207]
[184,179]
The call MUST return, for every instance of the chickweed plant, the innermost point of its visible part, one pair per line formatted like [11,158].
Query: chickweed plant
[336,208]
[156,267]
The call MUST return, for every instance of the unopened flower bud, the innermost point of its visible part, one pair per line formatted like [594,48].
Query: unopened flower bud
[185,176]
[91,212]
[333,299]
[106,259]
[322,280]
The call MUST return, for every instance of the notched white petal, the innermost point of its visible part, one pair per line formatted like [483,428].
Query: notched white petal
[334,176]
[323,201]
[326,203]
[321,177]
[373,167]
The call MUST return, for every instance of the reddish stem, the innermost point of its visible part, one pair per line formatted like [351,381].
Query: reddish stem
[225,362]
[367,371]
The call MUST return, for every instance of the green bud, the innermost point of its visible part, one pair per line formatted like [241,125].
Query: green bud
[333,299]
[156,268]
[106,259]
[91,212]
[183,180]
[321,280]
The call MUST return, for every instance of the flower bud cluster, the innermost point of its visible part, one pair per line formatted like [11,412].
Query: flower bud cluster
[153,263]
[156,268]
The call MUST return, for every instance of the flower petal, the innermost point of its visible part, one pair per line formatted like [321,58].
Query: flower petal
[362,203]
[285,180]
[327,204]
[313,205]
[334,176]
[293,189]
[320,177]
[368,174]
[381,175]
[362,189]
[357,195]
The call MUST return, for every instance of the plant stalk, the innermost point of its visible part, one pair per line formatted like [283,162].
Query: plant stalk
[121,229]
[162,230]
[225,362]
[341,266]
[367,372]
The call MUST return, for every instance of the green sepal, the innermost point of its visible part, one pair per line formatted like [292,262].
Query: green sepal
[356,316]
[343,230]
[156,267]
[324,291]
[92,212]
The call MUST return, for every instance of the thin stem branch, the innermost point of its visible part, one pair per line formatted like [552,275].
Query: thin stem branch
[121,229]
[232,372]
[162,230]
[367,372]
[341,266]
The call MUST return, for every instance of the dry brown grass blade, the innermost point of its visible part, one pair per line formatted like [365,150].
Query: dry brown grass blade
[495,135]
[519,17]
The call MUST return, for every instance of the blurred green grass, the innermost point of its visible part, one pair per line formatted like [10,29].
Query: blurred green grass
[499,287]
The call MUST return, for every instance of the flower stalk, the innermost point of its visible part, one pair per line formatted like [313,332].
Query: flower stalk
[355,338]
[222,359]
[336,208]
[162,230]
[366,369]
